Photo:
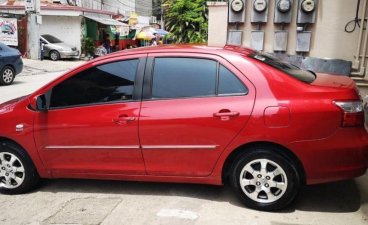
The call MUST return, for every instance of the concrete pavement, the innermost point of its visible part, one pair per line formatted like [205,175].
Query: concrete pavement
[36,67]
[35,74]
[24,85]
[92,202]
[114,202]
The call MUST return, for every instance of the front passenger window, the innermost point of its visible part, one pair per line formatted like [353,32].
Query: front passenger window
[101,84]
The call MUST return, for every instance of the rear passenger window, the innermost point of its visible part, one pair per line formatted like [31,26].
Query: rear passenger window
[184,77]
[229,84]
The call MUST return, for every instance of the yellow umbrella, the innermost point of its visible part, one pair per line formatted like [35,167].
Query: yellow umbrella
[145,35]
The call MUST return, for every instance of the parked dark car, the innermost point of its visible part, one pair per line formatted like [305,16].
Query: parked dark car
[11,64]
[56,49]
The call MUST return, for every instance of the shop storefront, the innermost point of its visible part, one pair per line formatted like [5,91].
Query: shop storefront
[98,28]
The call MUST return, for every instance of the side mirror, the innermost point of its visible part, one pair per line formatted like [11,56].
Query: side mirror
[39,103]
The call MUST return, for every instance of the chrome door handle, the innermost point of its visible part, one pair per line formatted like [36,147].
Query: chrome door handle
[123,119]
[231,114]
[225,115]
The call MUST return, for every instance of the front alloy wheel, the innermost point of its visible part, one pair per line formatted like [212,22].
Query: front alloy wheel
[17,171]
[12,172]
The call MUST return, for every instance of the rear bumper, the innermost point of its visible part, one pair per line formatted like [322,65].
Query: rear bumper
[18,66]
[341,156]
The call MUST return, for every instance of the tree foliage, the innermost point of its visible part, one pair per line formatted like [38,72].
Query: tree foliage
[186,20]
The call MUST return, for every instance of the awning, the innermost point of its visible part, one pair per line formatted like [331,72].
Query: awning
[105,21]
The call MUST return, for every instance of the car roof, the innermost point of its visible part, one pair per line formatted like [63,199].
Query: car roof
[185,48]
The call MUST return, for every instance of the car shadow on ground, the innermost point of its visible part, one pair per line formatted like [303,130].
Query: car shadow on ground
[339,197]
[343,196]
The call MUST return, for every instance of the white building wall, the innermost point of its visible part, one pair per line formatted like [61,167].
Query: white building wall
[143,7]
[217,28]
[90,4]
[124,7]
[329,40]
[66,28]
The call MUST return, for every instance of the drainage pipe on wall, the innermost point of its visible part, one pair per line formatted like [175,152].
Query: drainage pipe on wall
[358,55]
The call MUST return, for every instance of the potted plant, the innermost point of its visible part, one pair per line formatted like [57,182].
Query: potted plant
[88,47]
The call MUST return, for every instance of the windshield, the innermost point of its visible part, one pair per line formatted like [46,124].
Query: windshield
[288,68]
[51,39]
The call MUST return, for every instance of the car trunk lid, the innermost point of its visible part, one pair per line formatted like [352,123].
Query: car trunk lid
[345,95]
[334,81]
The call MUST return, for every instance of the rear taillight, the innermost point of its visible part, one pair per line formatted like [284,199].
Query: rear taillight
[352,113]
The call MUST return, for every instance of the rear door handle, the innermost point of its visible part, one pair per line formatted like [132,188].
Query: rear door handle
[225,115]
[230,114]
[123,119]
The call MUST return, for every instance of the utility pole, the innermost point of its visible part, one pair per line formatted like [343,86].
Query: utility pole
[33,28]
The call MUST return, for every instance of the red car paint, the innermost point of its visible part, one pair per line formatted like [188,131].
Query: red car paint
[278,109]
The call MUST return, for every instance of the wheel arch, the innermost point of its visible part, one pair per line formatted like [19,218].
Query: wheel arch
[283,151]
[30,172]
[10,65]
[5,139]
[53,50]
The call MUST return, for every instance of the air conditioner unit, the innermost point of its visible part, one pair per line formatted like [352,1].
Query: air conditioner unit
[153,19]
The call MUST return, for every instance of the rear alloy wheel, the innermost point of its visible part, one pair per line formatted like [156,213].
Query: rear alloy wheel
[54,55]
[7,76]
[17,172]
[265,180]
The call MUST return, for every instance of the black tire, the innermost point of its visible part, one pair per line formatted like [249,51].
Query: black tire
[7,75]
[54,55]
[30,176]
[261,199]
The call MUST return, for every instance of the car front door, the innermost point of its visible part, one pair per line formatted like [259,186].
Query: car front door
[193,106]
[92,122]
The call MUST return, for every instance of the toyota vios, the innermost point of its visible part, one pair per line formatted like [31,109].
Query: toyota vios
[188,114]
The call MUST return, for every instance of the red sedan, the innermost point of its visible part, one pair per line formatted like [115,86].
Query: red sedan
[188,114]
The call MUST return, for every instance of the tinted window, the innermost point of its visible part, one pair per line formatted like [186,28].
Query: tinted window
[51,39]
[229,83]
[105,83]
[183,77]
[294,71]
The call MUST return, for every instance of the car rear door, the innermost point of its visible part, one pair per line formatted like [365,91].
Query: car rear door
[92,124]
[193,106]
